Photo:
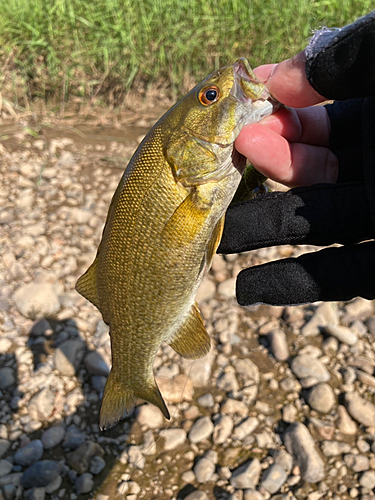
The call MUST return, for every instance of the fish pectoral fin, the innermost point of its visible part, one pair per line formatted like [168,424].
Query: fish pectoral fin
[191,340]
[214,241]
[87,284]
[118,397]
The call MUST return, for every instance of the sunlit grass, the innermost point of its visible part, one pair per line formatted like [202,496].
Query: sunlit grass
[55,43]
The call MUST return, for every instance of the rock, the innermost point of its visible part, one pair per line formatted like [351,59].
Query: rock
[5,345]
[325,314]
[365,378]
[73,438]
[53,485]
[222,429]
[5,467]
[289,413]
[321,398]
[279,345]
[300,444]
[206,400]
[360,308]
[201,371]
[334,448]
[204,469]
[358,463]
[68,356]
[84,483]
[7,378]
[245,428]
[304,366]
[4,447]
[233,406]
[41,405]
[80,459]
[247,370]
[176,390]
[325,430]
[37,300]
[150,416]
[136,457]
[246,475]
[35,494]
[41,327]
[96,364]
[201,430]
[206,290]
[273,478]
[344,423]
[9,491]
[197,495]
[97,465]
[360,409]
[367,480]
[172,438]
[148,446]
[283,458]
[227,382]
[342,333]
[14,479]
[227,288]
[53,436]
[40,473]
[29,454]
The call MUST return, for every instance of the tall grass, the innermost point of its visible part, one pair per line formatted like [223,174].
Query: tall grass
[55,44]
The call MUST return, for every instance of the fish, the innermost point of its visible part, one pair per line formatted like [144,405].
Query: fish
[163,228]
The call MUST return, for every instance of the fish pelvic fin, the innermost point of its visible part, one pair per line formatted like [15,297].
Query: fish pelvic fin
[87,284]
[117,398]
[191,339]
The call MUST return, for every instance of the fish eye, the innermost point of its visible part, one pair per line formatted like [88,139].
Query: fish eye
[209,95]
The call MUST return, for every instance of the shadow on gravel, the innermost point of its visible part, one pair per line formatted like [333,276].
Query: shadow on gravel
[51,435]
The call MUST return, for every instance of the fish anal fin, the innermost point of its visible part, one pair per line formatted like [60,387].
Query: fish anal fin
[214,241]
[191,339]
[118,397]
[87,284]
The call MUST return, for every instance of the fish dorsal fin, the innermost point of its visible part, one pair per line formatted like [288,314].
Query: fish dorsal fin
[191,339]
[87,284]
[214,241]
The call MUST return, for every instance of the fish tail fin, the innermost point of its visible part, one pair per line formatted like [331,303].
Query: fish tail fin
[117,398]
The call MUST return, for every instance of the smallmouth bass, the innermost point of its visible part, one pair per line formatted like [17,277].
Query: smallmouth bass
[163,228]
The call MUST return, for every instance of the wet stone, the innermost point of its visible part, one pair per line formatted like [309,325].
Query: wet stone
[204,469]
[274,477]
[201,430]
[29,454]
[246,475]
[53,436]
[300,444]
[321,398]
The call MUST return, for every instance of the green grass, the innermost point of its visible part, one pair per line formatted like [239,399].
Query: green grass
[60,47]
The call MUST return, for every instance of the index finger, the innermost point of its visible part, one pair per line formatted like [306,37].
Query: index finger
[288,83]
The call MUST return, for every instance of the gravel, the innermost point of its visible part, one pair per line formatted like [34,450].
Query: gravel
[282,407]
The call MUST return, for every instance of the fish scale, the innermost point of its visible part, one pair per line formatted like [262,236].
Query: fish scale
[163,227]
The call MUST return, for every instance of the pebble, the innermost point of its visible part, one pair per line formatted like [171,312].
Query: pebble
[150,416]
[342,333]
[201,430]
[41,405]
[5,467]
[200,372]
[367,480]
[37,300]
[7,378]
[80,459]
[334,448]
[245,428]
[325,314]
[4,447]
[206,290]
[247,370]
[74,437]
[206,400]
[360,308]
[68,356]
[35,494]
[40,473]
[358,463]
[304,366]
[96,364]
[136,457]
[222,429]
[227,288]
[84,483]
[246,475]
[233,406]
[53,485]
[274,477]
[97,465]
[53,436]
[344,423]
[321,398]
[360,409]
[173,438]
[204,469]
[179,388]
[5,345]
[279,345]
[197,495]
[300,444]
[29,454]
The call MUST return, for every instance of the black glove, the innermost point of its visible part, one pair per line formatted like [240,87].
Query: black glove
[339,64]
